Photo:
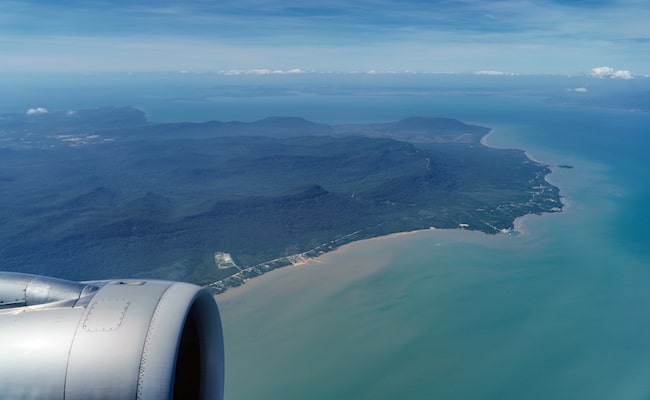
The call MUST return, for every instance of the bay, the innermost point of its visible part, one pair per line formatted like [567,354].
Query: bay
[558,311]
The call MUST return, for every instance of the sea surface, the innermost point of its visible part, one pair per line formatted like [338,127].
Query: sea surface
[560,310]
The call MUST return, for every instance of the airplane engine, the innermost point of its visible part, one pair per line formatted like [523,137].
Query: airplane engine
[117,339]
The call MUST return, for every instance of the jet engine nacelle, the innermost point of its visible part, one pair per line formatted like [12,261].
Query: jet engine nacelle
[120,339]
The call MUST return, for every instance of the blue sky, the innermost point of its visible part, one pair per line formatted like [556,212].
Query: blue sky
[537,36]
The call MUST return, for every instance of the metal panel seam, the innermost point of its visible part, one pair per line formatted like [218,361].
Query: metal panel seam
[67,363]
[145,348]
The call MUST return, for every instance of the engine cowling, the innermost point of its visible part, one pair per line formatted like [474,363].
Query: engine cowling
[118,339]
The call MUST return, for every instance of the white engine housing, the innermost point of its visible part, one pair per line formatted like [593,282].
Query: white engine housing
[130,339]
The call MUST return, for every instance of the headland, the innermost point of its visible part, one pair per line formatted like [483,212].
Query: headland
[218,203]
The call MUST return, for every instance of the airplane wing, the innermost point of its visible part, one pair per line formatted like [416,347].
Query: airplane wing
[118,339]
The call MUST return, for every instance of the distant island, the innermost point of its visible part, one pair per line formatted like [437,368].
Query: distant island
[92,194]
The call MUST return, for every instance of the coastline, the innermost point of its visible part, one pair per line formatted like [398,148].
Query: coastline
[324,258]
[303,260]
[485,137]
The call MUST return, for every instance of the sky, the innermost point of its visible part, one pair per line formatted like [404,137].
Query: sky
[459,36]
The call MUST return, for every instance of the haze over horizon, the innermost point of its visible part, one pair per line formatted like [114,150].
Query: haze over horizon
[605,38]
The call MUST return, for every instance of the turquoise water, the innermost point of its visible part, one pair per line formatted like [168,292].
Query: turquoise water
[559,311]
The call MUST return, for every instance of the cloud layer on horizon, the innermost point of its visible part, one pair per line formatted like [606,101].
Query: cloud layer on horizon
[536,36]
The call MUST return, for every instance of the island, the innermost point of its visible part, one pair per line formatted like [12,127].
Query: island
[93,194]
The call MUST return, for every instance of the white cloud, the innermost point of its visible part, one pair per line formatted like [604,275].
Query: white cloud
[623,74]
[494,73]
[580,90]
[258,71]
[37,110]
[389,72]
[609,72]
[262,71]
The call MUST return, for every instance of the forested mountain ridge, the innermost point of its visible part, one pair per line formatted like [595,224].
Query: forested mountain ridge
[99,193]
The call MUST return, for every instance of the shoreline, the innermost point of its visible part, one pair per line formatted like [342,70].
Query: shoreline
[250,284]
[321,259]
[302,260]
[485,137]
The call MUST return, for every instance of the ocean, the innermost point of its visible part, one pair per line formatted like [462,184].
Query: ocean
[558,311]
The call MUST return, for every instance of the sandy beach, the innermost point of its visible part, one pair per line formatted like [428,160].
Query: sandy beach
[322,261]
